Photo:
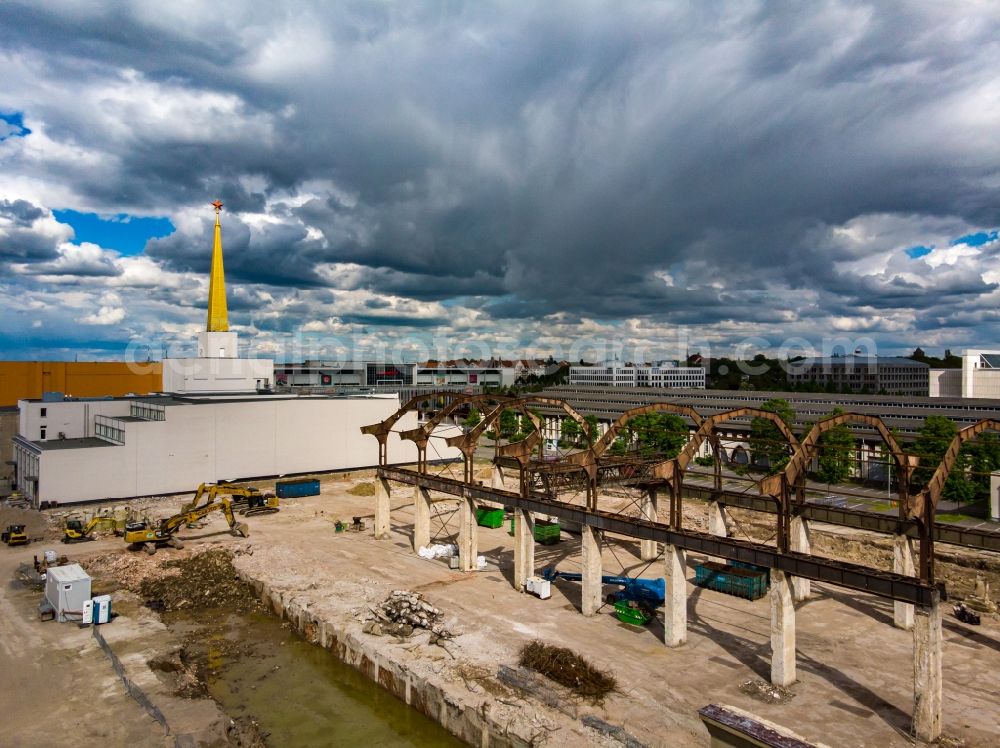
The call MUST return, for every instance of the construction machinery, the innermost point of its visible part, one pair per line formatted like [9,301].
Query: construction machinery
[650,591]
[14,535]
[260,503]
[210,491]
[149,537]
[76,531]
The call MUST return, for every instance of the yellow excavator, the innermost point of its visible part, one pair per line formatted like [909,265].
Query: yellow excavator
[76,531]
[149,538]
[246,499]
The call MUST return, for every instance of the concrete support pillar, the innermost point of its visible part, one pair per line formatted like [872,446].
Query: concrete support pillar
[497,478]
[800,543]
[675,601]
[421,518]
[902,563]
[524,547]
[927,671]
[782,630]
[717,520]
[648,549]
[592,570]
[381,509]
[468,536]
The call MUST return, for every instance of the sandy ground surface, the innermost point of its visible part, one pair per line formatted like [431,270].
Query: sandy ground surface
[855,670]
[58,686]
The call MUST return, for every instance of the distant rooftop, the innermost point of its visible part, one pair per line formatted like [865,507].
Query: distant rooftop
[861,361]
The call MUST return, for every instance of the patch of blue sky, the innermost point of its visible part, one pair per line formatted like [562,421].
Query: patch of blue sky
[915,252]
[977,239]
[124,233]
[12,125]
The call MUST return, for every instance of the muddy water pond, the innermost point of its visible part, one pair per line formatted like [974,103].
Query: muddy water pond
[299,694]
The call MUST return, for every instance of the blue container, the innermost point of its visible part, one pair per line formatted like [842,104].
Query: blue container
[294,489]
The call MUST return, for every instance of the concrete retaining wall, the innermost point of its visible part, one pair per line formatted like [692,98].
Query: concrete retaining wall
[467,718]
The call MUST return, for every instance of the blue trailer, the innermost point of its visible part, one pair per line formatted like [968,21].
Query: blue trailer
[294,489]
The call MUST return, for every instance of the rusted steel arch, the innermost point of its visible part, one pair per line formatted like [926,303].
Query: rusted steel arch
[522,450]
[706,430]
[925,504]
[421,434]
[808,447]
[605,442]
[381,430]
[469,440]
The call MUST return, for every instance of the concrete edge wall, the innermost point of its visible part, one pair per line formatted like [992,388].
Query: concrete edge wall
[467,719]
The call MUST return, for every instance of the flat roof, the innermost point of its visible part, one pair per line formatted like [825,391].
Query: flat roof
[50,445]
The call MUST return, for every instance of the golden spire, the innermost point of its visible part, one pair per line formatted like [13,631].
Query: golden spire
[218,316]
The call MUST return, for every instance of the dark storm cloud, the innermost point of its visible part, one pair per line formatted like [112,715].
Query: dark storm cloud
[21,237]
[665,160]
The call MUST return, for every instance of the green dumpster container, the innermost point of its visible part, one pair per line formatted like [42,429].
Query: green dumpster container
[546,533]
[488,516]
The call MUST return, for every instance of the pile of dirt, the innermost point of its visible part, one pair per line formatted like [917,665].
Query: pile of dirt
[569,669]
[203,581]
[362,489]
[35,523]
[130,570]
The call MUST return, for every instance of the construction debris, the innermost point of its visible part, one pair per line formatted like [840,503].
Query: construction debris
[438,550]
[207,580]
[569,669]
[402,612]
[764,691]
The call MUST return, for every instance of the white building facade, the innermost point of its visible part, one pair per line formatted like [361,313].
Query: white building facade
[664,375]
[127,447]
[978,377]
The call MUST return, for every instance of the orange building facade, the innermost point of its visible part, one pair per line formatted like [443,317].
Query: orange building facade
[21,380]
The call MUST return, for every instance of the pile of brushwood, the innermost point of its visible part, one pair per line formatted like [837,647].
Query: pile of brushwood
[568,669]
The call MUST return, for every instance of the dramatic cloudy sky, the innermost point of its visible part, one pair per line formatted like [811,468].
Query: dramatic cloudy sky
[511,176]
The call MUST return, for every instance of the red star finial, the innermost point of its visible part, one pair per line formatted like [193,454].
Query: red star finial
[217,205]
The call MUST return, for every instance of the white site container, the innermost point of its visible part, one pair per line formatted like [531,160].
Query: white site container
[66,588]
[539,586]
[102,608]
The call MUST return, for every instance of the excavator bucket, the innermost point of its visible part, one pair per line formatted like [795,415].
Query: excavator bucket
[242,529]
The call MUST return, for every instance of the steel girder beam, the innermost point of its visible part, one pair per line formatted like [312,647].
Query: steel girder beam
[967,537]
[850,576]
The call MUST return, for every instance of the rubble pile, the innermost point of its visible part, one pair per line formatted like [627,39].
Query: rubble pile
[203,581]
[131,570]
[764,691]
[402,612]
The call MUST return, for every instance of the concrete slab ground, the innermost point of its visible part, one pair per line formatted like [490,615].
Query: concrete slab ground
[854,669]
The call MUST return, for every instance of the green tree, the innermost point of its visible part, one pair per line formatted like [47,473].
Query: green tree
[570,430]
[766,440]
[473,419]
[836,450]
[983,457]
[508,424]
[932,441]
[591,429]
[661,434]
[618,447]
